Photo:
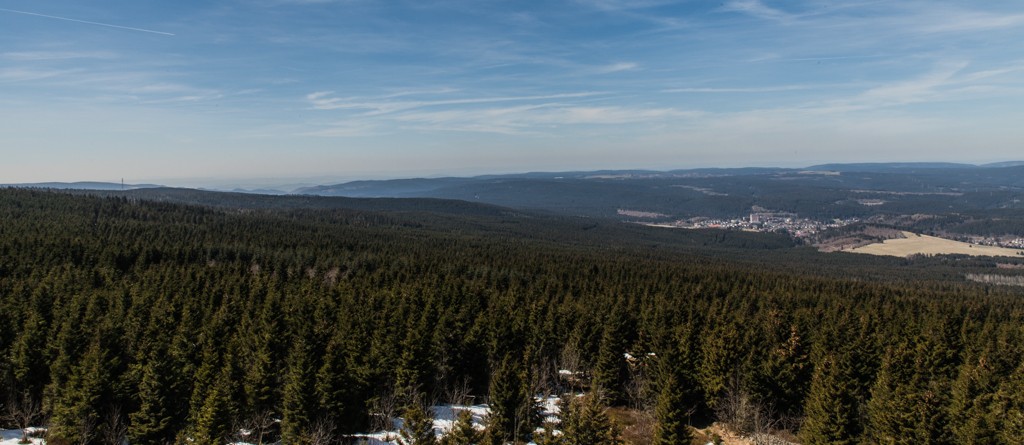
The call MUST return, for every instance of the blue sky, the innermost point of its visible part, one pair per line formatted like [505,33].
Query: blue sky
[194,92]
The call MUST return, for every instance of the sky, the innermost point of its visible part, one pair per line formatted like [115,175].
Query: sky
[199,93]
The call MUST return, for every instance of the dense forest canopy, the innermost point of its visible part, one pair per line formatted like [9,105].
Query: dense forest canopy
[167,322]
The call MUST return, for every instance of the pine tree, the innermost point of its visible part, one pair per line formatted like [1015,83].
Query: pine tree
[417,426]
[28,363]
[549,435]
[205,380]
[831,405]
[75,411]
[611,369]
[719,360]
[976,418]
[890,409]
[154,423]
[213,421]
[671,412]
[338,390]
[587,423]
[513,412]
[785,372]
[1011,405]
[463,432]
[299,399]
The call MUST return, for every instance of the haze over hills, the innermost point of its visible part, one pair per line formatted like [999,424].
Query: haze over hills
[820,192]
[984,197]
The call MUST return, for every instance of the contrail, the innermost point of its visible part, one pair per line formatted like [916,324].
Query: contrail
[87,22]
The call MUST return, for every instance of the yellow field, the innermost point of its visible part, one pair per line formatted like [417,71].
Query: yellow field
[930,245]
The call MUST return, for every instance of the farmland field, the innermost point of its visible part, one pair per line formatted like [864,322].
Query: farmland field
[913,244]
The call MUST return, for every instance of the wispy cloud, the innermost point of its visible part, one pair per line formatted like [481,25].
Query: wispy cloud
[768,89]
[344,129]
[26,56]
[757,9]
[620,5]
[17,74]
[537,119]
[963,21]
[618,67]
[324,100]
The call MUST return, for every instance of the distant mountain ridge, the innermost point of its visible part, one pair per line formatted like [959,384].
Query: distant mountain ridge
[822,191]
[82,185]
[890,166]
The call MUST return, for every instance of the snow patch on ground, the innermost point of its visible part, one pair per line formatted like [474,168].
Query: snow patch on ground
[11,437]
[445,417]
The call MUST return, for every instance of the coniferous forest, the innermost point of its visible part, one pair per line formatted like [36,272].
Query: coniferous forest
[162,323]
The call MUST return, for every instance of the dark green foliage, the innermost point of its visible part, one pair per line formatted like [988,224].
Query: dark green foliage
[195,321]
